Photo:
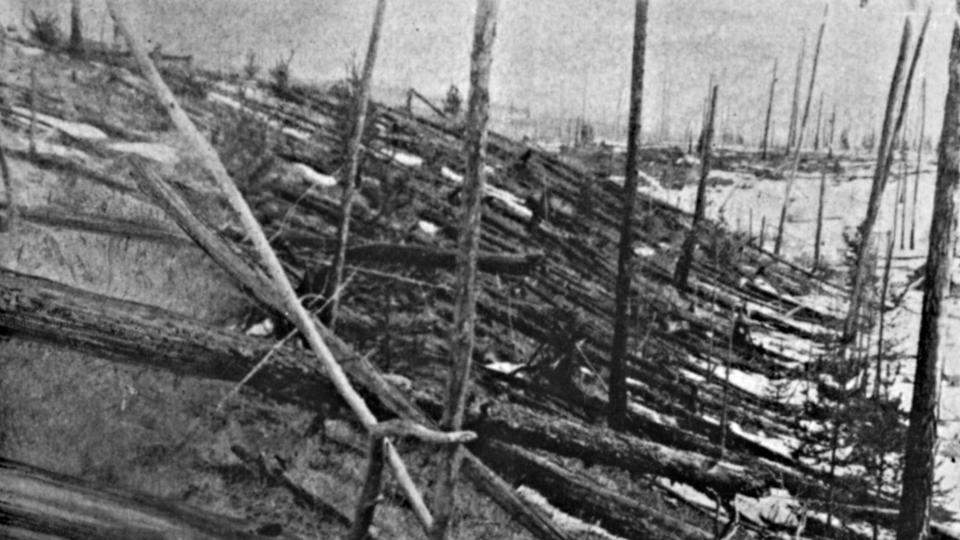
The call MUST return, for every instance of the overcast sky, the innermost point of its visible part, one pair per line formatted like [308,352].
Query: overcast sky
[564,56]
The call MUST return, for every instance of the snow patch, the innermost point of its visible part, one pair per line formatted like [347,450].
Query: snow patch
[73,129]
[451,176]
[687,493]
[409,160]
[154,151]
[313,177]
[428,227]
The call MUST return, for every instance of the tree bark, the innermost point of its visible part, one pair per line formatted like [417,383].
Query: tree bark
[766,122]
[617,412]
[682,271]
[465,312]
[919,454]
[36,503]
[800,136]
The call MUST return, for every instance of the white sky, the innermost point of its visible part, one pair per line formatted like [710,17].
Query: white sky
[551,53]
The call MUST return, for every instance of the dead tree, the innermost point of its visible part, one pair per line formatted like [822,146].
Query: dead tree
[819,232]
[916,177]
[766,122]
[919,454]
[76,29]
[279,286]
[884,159]
[816,133]
[682,272]
[349,179]
[795,102]
[617,406]
[462,334]
[799,138]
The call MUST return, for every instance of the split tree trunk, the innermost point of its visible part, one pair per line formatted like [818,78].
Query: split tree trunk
[799,138]
[465,314]
[682,272]
[617,406]
[919,454]
[352,166]
[766,122]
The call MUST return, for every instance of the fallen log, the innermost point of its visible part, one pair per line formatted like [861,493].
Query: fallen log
[598,445]
[143,335]
[37,503]
[586,500]
[432,258]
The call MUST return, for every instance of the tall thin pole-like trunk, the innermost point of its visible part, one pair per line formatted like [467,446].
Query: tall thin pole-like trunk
[816,133]
[884,160]
[617,406]
[351,168]
[465,315]
[919,454]
[76,28]
[766,122]
[884,288]
[763,231]
[795,102]
[682,272]
[833,127]
[819,232]
[902,199]
[799,138]
[916,177]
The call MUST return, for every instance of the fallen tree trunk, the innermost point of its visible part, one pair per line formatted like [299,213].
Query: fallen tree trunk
[445,259]
[143,335]
[517,425]
[581,498]
[37,503]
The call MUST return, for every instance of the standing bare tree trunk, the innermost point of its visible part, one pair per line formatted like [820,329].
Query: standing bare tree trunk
[766,122]
[819,232]
[916,177]
[884,160]
[795,102]
[816,133]
[462,334]
[799,138]
[919,455]
[617,407]
[682,272]
[351,168]
[76,28]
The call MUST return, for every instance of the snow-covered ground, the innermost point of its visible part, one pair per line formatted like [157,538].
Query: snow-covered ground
[844,208]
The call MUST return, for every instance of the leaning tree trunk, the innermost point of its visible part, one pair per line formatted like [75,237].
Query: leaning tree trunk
[799,138]
[795,101]
[916,178]
[884,159]
[350,169]
[465,314]
[766,122]
[919,455]
[682,272]
[617,412]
